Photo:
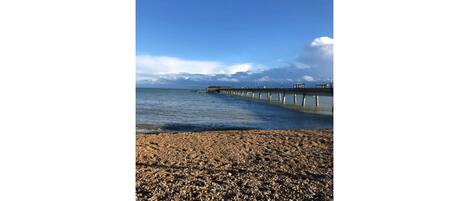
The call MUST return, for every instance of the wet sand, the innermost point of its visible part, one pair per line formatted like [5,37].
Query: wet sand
[235,165]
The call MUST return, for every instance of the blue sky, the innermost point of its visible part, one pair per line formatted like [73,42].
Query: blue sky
[217,39]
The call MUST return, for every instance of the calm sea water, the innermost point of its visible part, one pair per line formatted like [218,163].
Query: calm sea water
[188,110]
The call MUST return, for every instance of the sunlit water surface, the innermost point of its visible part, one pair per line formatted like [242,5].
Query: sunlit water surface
[187,110]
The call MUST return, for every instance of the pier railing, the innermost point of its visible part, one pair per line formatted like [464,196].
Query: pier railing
[265,94]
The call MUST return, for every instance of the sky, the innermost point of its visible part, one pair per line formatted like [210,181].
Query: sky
[191,44]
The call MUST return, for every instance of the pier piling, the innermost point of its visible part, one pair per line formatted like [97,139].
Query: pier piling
[316,102]
[303,103]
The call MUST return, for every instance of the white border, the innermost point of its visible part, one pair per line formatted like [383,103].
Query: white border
[401,100]
[67,79]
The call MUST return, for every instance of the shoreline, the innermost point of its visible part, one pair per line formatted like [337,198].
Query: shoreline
[235,164]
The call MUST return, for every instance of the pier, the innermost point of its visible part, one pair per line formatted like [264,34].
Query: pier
[298,96]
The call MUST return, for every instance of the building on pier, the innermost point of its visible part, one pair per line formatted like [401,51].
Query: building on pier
[299,85]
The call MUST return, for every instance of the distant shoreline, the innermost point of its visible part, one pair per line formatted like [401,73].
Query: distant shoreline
[241,164]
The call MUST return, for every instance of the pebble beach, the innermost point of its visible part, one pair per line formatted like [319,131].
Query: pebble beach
[235,165]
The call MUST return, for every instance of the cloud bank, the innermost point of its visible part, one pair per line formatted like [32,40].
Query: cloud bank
[313,64]
[152,67]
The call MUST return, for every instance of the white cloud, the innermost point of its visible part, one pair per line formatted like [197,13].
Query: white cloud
[325,44]
[228,79]
[168,65]
[308,78]
[321,41]
[239,68]
[149,66]
[263,78]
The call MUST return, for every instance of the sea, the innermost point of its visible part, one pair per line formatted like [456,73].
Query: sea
[163,110]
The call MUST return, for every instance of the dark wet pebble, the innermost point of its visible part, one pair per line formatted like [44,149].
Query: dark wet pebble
[199,183]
